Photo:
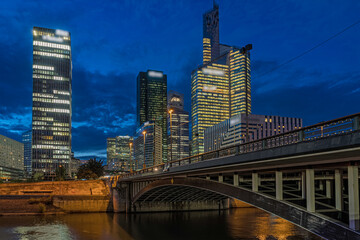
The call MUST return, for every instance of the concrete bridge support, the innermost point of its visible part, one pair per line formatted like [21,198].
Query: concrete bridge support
[310,190]
[279,185]
[353,181]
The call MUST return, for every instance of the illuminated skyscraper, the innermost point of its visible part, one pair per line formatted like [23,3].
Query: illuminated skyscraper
[178,126]
[152,102]
[120,153]
[51,115]
[148,145]
[211,44]
[221,87]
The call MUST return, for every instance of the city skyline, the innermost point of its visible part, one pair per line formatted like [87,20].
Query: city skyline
[316,78]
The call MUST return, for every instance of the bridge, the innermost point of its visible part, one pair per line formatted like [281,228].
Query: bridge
[309,177]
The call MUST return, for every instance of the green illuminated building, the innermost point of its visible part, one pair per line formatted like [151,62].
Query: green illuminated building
[152,102]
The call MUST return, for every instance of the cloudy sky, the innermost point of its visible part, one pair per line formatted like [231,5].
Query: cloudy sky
[113,40]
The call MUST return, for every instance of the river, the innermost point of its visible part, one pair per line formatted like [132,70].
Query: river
[244,223]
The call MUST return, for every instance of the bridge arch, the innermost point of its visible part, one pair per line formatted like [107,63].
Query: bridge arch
[318,224]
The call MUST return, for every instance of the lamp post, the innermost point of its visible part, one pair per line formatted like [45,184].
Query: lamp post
[131,163]
[170,112]
[245,50]
[144,133]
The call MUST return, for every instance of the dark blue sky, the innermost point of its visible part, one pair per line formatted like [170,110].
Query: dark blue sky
[113,40]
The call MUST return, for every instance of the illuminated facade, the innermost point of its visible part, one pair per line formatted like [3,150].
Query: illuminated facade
[211,44]
[120,153]
[26,140]
[11,153]
[51,115]
[221,87]
[152,102]
[233,131]
[151,146]
[178,126]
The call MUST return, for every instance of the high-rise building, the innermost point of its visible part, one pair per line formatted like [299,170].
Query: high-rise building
[211,44]
[178,126]
[120,153]
[148,145]
[152,102]
[221,87]
[233,131]
[26,140]
[51,115]
[11,158]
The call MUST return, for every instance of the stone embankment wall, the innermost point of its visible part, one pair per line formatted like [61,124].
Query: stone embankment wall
[61,188]
[67,196]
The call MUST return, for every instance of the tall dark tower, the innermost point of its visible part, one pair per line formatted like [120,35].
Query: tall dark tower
[51,114]
[152,102]
[211,44]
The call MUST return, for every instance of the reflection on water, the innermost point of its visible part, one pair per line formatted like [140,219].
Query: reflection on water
[244,223]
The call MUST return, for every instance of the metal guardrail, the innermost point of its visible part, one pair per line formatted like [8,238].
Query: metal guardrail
[321,130]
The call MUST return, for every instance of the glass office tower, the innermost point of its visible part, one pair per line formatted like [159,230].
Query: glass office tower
[26,140]
[221,87]
[178,126]
[211,44]
[152,102]
[120,153]
[51,115]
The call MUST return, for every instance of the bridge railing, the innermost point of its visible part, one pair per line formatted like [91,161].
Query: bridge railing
[326,129]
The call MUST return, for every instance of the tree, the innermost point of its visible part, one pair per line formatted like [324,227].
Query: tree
[60,173]
[38,176]
[91,170]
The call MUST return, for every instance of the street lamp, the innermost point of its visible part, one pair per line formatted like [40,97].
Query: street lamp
[144,133]
[170,112]
[245,50]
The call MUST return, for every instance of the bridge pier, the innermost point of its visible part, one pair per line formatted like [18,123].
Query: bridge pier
[338,189]
[279,185]
[236,179]
[220,178]
[255,182]
[303,185]
[328,187]
[310,190]
[353,184]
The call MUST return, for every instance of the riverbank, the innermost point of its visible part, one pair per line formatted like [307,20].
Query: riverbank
[59,197]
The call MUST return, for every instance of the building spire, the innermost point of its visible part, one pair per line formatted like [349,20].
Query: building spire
[216,6]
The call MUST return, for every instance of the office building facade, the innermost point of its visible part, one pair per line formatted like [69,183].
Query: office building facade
[148,145]
[233,131]
[52,97]
[152,102]
[120,153]
[26,140]
[221,87]
[11,153]
[178,126]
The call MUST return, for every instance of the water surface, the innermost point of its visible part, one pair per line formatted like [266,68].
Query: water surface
[244,223]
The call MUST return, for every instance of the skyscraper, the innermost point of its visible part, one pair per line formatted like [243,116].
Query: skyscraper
[51,115]
[221,87]
[148,145]
[178,125]
[26,140]
[211,44]
[120,153]
[152,102]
